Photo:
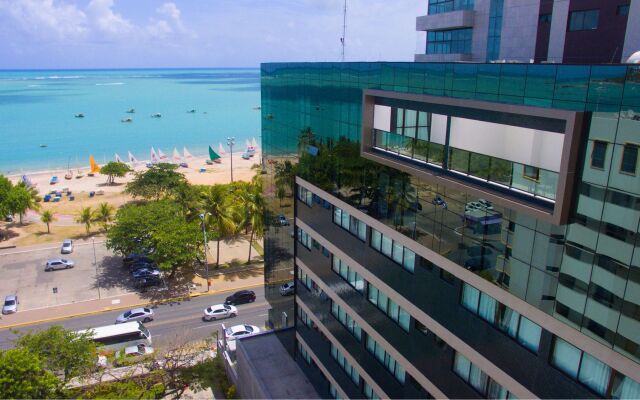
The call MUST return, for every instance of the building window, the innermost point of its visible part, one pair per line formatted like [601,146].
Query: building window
[623,10]
[544,19]
[352,224]
[348,274]
[368,392]
[451,41]
[532,173]
[598,154]
[502,317]
[334,392]
[305,196]
[385,359]
[495,29]
[389,307]
[346,366]
[346,320]
[304,353]
[304,238]
[480,381]
[629,159]
[394,250]
[581,366]
[442,6]
[304,317]
[584,20]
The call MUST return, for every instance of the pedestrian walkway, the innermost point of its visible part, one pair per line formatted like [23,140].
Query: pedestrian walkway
[248,278]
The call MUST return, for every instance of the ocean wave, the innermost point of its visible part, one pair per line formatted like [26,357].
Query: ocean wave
[34,85]
[40,78]
[110,84]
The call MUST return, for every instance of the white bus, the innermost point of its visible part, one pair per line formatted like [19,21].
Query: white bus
[120,335]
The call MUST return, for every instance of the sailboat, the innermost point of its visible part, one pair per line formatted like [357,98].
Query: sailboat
[254,143]
[132,160]
[118,159]
[214,156]
[154,156]
[187,155]
[95,168]
[69,174]
[221,149]
[176,156]
[161,155]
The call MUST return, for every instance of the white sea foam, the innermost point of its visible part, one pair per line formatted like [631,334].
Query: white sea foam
[110,84]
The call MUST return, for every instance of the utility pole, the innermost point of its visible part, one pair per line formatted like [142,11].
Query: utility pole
[95,262]
[231,141]
[206,262]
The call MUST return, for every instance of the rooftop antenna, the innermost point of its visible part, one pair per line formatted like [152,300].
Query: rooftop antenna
[344,29]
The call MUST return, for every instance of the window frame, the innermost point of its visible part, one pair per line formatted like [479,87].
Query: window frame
[630,145]
[604,156]
[525,175]
[582,14]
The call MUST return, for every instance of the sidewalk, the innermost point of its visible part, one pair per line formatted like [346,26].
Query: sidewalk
[248,278]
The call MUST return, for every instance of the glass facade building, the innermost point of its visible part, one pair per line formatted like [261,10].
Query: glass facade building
[461,230]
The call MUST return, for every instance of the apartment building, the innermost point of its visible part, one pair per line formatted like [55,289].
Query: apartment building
[559,31]
[458,230]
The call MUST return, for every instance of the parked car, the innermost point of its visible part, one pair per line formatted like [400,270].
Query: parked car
[479,263]
[58,263]
[142,264]
[67,247]
[438,201]
[137,314]
[10,304]
[147,281]
[134,258]
[145,272]
[287,288]
[282,220]
[243,296]
[486,204]
[132,353]
[219,311]
[240,331]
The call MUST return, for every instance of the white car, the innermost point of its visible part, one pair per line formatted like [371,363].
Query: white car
[137,314]
[136,351]
[67,247]
[287,288]
[219,311]
[240,331]
[58,263]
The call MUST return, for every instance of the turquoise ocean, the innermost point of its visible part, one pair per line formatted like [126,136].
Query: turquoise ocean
[39,107]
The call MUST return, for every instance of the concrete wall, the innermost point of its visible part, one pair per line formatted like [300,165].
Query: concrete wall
[519,29]
[450,20]
[480,30]
[558,30]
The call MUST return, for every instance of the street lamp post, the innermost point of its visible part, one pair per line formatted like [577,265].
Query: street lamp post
[206,263]
[95,262]
[231,141]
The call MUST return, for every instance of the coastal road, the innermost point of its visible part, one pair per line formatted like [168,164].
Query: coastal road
[174,323]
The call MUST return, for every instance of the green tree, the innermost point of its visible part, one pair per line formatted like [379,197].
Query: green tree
[188,198]
[21,199]
[5,189]
[103,215]
[22,376]
[61,351]
[132,388]
[114,169]
[253,206]
[216,204]
[157,226]
[47,218]
[281,192]
[159,181]
[85,217]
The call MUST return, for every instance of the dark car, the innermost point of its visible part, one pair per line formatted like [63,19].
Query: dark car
[147,281]
[145,272]
[243,296]
[142,264]
[438,201]
[479,263]
[134,258]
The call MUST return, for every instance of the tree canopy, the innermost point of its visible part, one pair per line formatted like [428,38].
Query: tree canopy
[114,169]
[22,376]
[20,199]
[159,181]
[5,189]
[158,228]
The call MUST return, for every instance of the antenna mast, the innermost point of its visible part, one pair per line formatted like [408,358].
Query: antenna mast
[344,29]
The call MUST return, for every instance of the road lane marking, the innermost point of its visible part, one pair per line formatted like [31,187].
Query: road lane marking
[164,322]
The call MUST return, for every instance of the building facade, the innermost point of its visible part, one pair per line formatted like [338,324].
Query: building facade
[458,230]
[559,31]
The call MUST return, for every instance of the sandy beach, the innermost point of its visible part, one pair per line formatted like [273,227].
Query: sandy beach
[65,211]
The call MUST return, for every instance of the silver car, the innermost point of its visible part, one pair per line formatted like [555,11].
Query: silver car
[137,314]
[10,304]
[58,263]
[67,247]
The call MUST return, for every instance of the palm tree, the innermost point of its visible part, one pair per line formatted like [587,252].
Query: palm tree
[47,217]
[252,204]
[104,215]
[21,198]
[85,217]
[215,202]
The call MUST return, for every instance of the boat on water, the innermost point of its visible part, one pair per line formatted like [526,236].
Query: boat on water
[79,174]
[79,115]
[192,111]
[53,180]
[131,111]
[156,115]
[257,108]
[128,119]
[95,168]
[43,145]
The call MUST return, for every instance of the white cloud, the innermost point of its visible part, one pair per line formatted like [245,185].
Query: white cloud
[45,20]
[106,21]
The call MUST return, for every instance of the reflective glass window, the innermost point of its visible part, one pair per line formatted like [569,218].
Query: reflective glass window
[629,162]
[598,154]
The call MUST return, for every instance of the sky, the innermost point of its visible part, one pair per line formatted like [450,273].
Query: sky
[65,34]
